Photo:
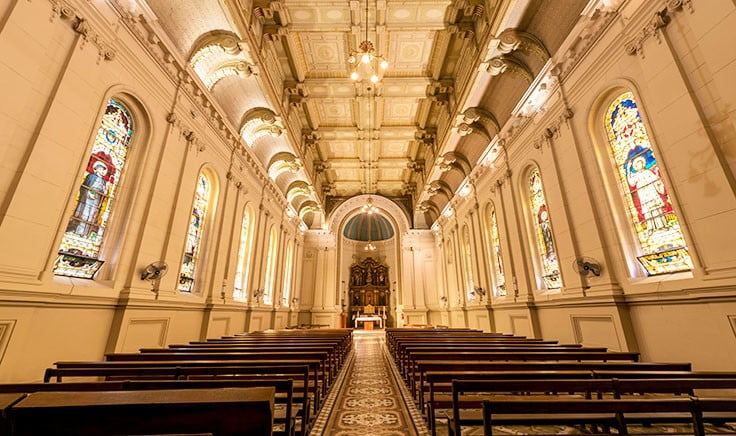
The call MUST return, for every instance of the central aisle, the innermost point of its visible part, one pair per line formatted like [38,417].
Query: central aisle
[369,398]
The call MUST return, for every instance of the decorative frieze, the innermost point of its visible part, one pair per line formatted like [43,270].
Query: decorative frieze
[658,21]
[65,11]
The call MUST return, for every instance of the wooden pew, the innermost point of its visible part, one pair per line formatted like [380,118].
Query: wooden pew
[290,357]
[423,366]
[405,354]
[333,360]
[468,394]
[283,388]
[216,367]
[221,412]
[7,400]
[193,377]
[605,413]
[439,385]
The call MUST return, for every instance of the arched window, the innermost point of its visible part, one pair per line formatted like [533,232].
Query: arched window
[468,259]
[242,269]
[80,246]
[649,205]
[543,227]
[288,267]
[195,230]
[273,241]
[496,258]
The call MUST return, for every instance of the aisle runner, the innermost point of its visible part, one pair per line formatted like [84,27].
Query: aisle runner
[369,402]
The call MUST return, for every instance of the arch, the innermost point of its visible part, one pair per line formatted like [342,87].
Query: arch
[242,269]
[440,187]
[202,212]
[541,223]
[296,189]
[308,207]
[218,54]
[477,120]
[282,162]
[259,122]
[454,161]
[271,261]
[352,206]
[85,233]
[495,252]
[657,238]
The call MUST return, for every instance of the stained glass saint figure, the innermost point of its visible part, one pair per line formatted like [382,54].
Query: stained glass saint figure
[543,226]
[82,241]
[654,220]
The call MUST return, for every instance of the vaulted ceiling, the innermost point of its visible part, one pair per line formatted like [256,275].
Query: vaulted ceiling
[280,71]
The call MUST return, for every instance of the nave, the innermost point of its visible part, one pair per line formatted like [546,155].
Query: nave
[341,382]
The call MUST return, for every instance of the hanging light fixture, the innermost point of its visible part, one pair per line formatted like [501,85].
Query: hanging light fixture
[364,63]
[369,211]
[368,207]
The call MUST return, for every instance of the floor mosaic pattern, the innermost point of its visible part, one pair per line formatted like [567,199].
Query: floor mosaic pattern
[369,400]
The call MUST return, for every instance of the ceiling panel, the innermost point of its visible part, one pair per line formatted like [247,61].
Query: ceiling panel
[324,51]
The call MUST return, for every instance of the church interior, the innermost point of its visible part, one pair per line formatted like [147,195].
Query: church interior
[357,189]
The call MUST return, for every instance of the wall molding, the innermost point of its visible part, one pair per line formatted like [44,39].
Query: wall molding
[6,332]
[578,329]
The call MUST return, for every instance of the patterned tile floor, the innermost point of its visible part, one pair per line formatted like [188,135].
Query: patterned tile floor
[367,398]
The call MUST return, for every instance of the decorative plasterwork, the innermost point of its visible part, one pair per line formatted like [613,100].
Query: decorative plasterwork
[80,25]
[439,187]
[659,20]
[513,39]
[283,162]
[296,190]
[477,120]
[324,51]
[453,161]
[260,122]
[219,54]
[508,64]
[178,72]
[309,207]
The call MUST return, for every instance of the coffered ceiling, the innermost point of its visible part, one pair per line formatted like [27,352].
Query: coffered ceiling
[280,71]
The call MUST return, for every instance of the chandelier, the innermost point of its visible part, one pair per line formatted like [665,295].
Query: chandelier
[369,208]
[364,63]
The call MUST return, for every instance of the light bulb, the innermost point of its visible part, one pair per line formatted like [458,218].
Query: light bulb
[354,75]
[351,59]
[384,64]
[365,58]
[374,78]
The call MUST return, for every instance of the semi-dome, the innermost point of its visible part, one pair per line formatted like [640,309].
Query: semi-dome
[357,228]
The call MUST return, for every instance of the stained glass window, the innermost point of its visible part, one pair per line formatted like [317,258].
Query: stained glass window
[289,265]
[84,234]
[497,260]
[194,234]
[271,267]
[650,207]
[242,268]
[468,263]
[543,226]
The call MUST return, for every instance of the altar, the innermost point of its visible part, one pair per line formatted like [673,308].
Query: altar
[369,295]
[369,321]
